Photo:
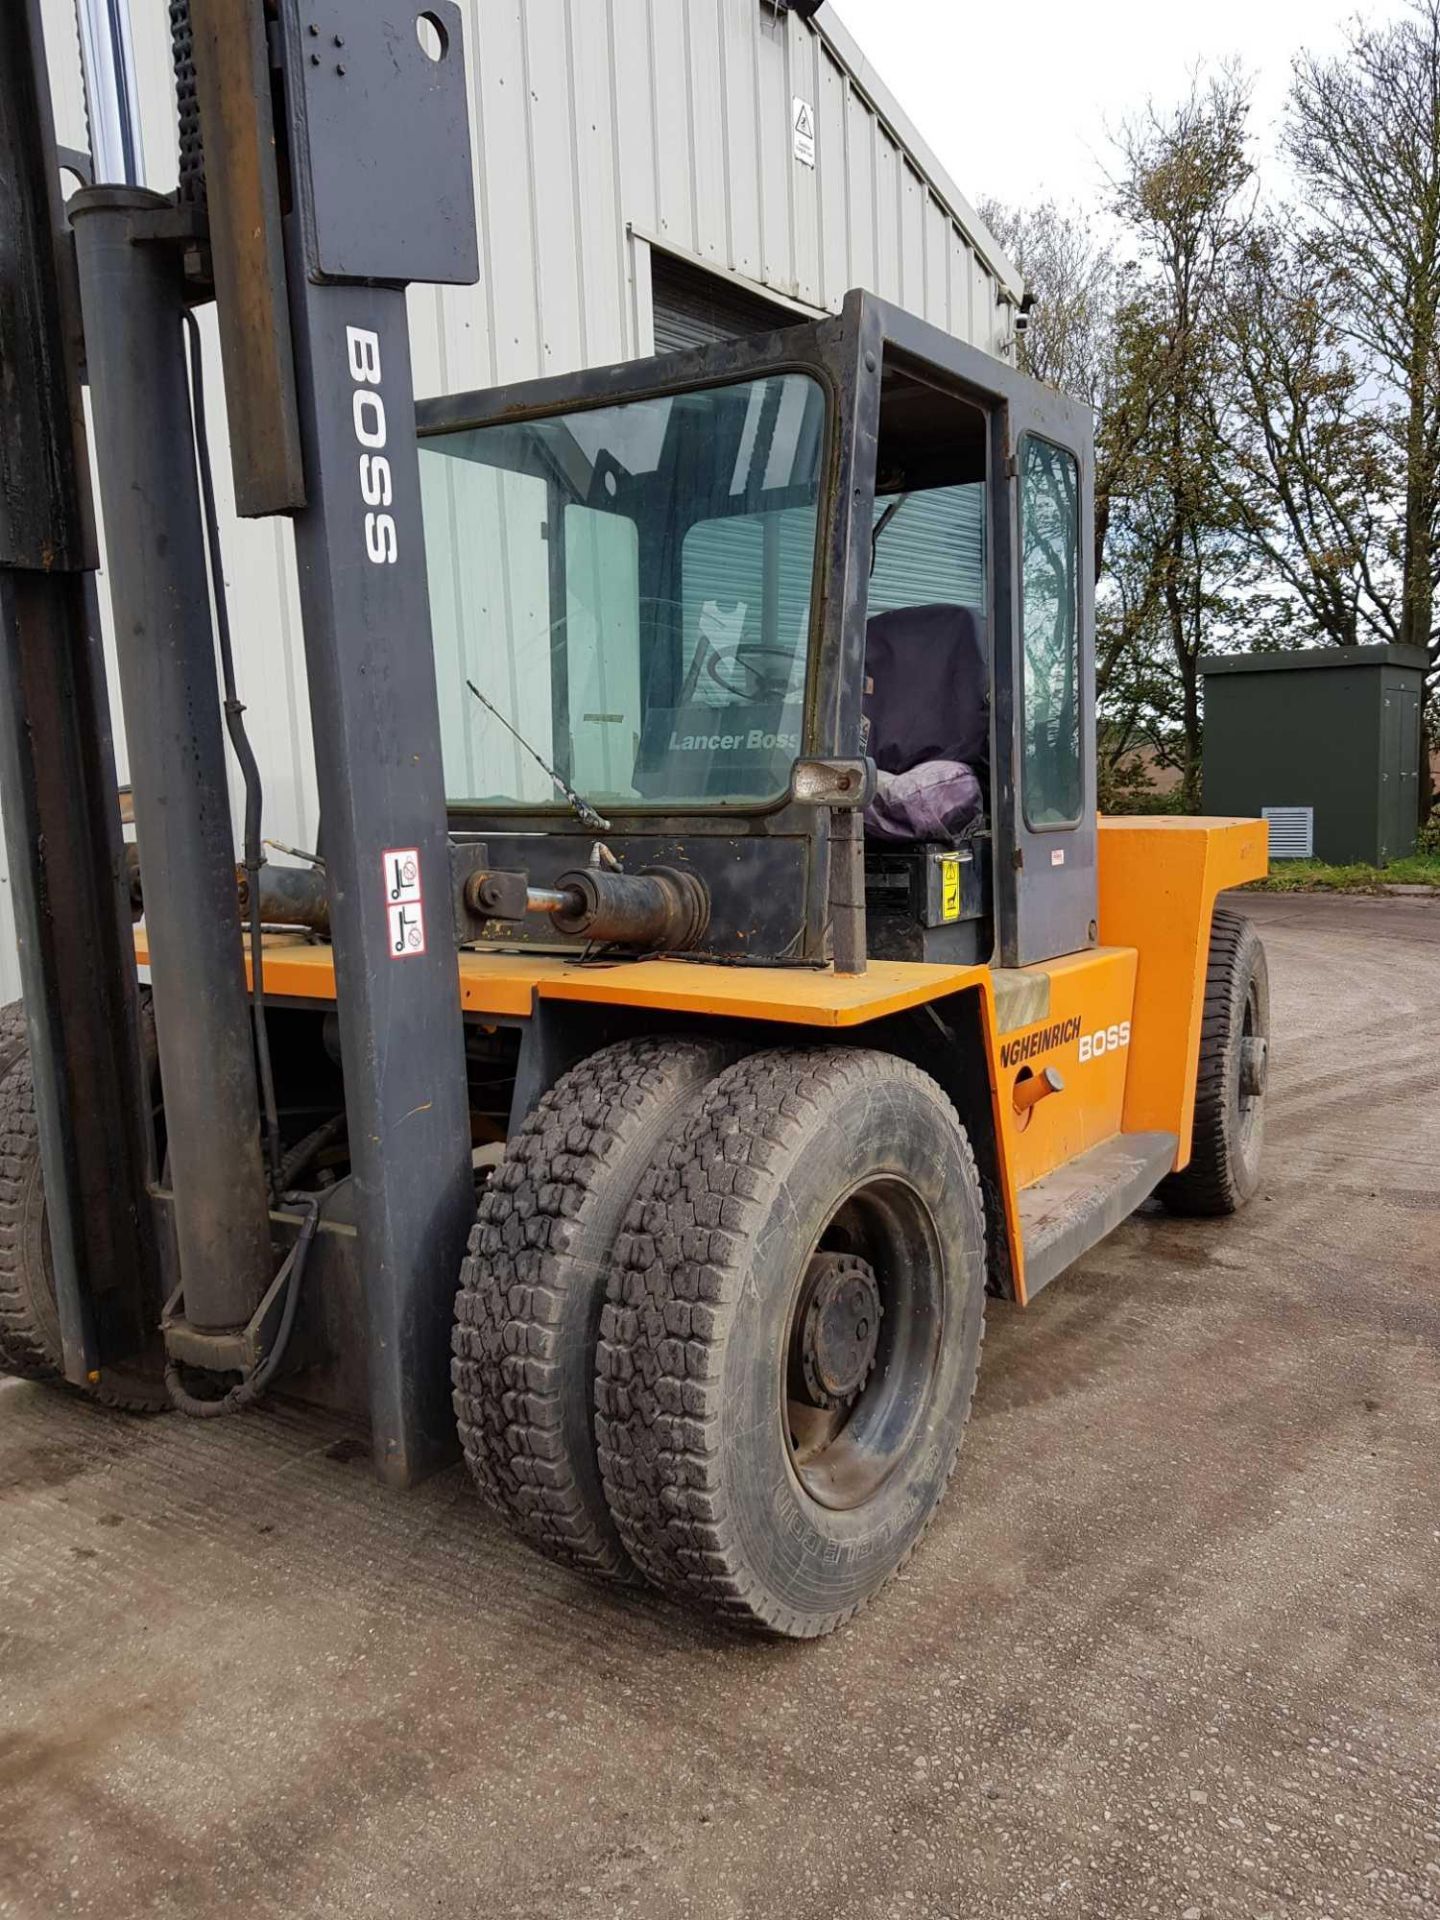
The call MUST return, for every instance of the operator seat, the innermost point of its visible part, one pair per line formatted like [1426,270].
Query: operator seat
[927,711]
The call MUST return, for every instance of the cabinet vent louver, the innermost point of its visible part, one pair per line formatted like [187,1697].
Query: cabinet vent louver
[1292,832]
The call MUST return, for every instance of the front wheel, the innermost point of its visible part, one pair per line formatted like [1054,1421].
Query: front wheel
[1229,1132]
[29,1321]
[791,1339]
[30,1344]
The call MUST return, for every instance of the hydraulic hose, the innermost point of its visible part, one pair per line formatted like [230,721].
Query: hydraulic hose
[249,1390]
[244,754]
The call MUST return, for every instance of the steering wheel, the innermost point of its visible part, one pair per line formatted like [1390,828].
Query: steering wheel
[728,667]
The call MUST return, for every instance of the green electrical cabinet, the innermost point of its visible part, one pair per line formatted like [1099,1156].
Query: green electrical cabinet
[1326,739]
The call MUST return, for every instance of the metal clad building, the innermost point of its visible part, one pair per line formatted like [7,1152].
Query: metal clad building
[645,180]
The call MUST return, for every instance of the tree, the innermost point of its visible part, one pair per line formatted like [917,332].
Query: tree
[1071,274]
[1307,468]
[1183,194]
[1364,135]
[1141,343]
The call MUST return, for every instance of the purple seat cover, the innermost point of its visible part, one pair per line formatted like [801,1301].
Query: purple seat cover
[934,801]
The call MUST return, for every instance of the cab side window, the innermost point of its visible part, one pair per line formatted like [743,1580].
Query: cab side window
[1052,782]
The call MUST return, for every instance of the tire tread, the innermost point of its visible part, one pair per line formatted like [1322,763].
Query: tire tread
[27,1339]
[1206,1186]
[511,1385]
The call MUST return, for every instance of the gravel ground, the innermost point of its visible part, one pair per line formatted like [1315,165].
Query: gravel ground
[1170,1649]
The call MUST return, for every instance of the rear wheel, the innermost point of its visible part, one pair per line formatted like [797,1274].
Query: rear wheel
[1229,1132]
[791,1341]
[527,1315]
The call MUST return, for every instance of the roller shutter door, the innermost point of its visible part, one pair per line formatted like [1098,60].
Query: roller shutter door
[933,552]
[694,308]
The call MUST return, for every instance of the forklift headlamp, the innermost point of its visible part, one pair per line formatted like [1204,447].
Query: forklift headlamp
[832,783]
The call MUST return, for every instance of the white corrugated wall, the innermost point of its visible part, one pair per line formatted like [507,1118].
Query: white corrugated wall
[601,129]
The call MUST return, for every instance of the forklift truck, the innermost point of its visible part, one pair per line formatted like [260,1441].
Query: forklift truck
[731,985]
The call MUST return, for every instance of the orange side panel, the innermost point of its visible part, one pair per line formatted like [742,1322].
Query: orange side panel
[1158,880]
[800,995]
[1084,1037]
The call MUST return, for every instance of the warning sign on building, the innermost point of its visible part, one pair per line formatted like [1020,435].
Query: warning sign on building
[404,901]
[802,121]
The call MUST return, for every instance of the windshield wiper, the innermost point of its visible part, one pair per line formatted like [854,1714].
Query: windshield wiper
[578,801]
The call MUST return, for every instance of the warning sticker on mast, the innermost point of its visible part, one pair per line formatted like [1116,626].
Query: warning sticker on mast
[404,901]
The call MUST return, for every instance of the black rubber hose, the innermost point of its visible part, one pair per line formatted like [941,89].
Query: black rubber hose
[303,1153]
[244,754]
[250,1389]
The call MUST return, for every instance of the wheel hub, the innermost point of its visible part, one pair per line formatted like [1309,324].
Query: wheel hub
[1254,1060]
[839,1328]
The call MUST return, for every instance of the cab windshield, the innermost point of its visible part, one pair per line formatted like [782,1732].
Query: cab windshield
[630,588]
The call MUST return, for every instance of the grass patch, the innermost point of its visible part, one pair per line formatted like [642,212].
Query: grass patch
[1314,876]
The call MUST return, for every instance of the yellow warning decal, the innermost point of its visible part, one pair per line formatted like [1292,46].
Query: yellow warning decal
[950,889]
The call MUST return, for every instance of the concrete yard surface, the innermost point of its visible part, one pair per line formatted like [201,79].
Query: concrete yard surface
[1172,1646]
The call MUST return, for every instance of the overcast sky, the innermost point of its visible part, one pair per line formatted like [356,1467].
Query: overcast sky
[1016,100]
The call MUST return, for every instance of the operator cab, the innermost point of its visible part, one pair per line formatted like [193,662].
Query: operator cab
[664,592]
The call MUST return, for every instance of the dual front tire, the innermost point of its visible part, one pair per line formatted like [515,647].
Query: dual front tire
[721,1321]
